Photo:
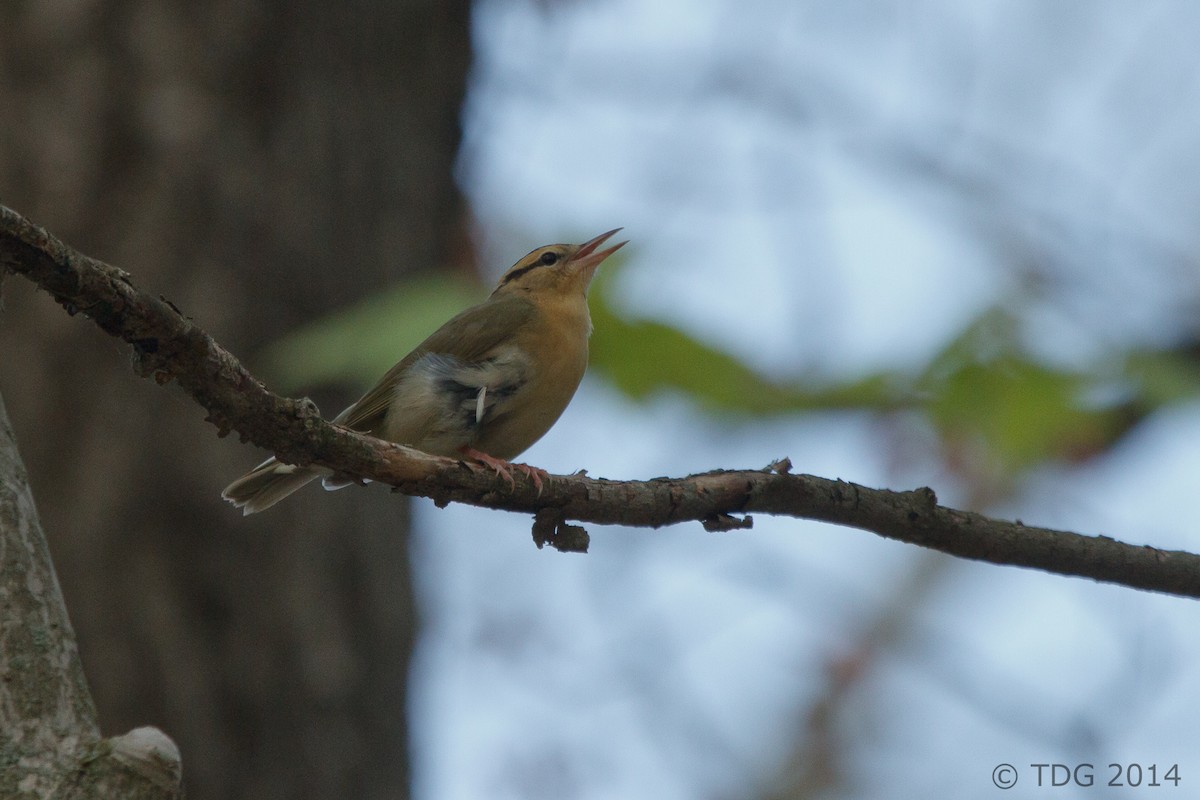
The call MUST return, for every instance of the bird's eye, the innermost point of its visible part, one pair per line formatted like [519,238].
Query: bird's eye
[549,258]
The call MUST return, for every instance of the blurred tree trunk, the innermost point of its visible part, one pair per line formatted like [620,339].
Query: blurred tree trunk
[259,164]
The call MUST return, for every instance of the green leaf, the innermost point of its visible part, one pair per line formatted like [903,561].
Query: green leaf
[643,357]
[1164,376]
[358,344]
[987,394]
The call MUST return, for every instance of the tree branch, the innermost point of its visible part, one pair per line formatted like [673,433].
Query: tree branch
[170,347]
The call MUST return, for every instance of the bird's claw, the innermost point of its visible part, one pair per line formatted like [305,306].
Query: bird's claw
[502,468]
[535,474]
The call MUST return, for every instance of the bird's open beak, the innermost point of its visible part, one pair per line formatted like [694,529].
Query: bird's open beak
[587,258]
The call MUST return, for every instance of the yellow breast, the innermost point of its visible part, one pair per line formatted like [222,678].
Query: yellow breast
[556,344]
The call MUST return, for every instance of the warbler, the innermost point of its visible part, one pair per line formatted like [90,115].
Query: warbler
[486,385]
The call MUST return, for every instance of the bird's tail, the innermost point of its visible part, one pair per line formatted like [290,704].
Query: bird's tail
[267,484]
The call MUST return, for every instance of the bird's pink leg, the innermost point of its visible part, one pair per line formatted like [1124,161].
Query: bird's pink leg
[502,467]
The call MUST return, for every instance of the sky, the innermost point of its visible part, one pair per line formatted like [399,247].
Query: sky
[825,189]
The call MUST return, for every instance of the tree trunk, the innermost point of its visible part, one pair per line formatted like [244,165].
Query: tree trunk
[258,164]
[51,743]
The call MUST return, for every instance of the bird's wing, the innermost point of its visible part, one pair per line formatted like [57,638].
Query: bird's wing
[470,337]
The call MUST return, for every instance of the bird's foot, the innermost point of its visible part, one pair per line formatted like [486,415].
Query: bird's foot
[502,468]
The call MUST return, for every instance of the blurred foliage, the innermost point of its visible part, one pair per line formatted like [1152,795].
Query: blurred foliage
[358,344]
[984,393]
[643,357]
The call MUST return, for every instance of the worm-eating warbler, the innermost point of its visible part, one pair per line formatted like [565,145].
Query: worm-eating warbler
[486,385]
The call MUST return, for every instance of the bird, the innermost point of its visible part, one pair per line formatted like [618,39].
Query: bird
[485,385]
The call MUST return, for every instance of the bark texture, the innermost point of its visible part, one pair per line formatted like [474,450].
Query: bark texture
[51,745]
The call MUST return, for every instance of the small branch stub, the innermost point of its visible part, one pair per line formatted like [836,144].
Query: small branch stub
[726,522]
[151,754]
[551,528]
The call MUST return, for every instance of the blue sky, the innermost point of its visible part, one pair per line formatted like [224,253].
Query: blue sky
[825,188]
